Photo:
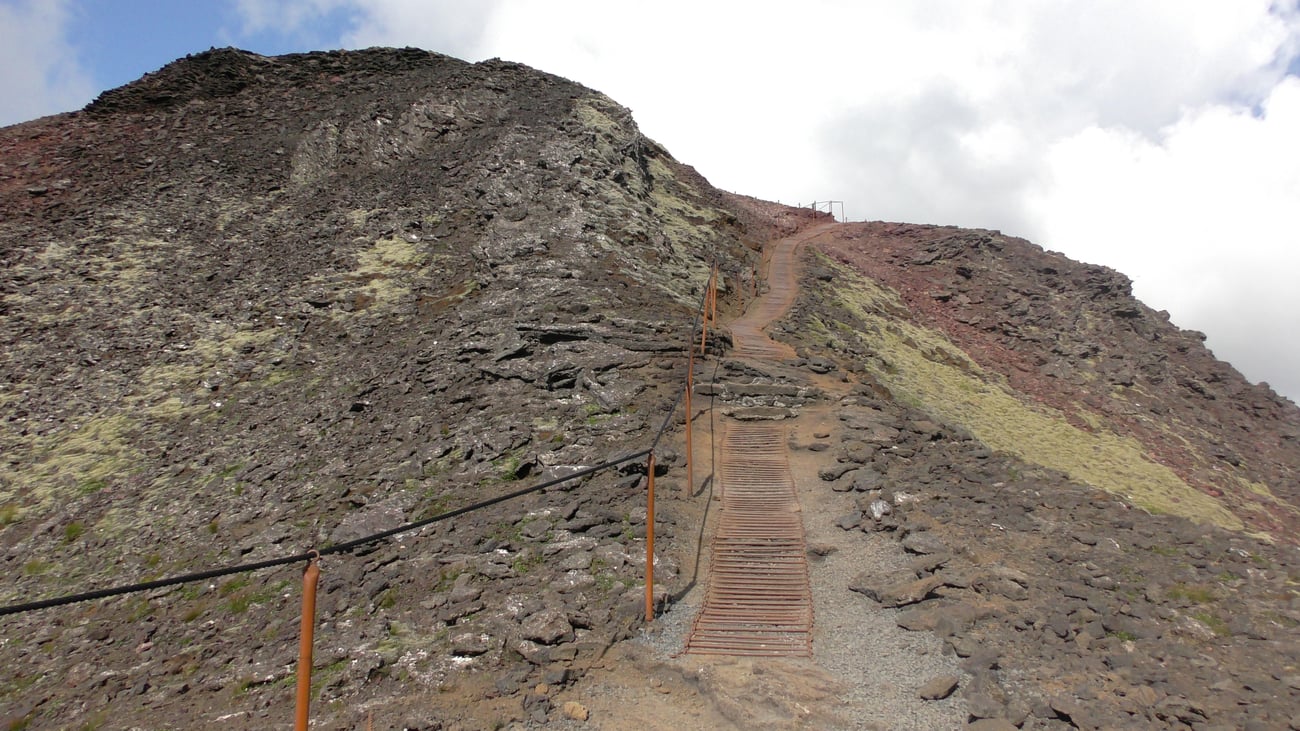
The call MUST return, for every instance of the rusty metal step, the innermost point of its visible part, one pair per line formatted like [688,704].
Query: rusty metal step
[757,601]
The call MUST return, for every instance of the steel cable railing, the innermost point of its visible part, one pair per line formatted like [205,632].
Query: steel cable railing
[705,313]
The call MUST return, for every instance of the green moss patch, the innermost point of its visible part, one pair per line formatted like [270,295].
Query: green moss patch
[69,463]
[922,367]
[649,202]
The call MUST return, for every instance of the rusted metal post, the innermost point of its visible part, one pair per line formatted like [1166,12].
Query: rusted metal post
[650,540]
[704,324]
[310,576]
[709,301]
[690,416]
[714,298]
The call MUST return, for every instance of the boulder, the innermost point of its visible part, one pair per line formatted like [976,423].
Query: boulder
[550,626]
[936,689]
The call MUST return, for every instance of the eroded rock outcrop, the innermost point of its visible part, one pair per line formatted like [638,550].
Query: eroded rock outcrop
[264,304]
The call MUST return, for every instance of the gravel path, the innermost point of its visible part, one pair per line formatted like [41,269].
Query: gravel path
[856,641]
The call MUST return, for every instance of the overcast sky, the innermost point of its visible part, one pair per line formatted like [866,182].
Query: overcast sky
[1158,138]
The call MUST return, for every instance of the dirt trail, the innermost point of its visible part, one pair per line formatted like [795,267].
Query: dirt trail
[748,335]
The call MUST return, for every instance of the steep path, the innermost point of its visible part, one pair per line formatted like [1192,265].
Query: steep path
[740,650]
[758,600]
[748,335]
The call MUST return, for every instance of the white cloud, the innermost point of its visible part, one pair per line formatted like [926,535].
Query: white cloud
[1151,136]
[447,26]
[1204,217]
[286,17]
[39,71]
[1156,137]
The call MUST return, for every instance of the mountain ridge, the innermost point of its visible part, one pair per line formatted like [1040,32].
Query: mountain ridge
[1076,347]
[257,304]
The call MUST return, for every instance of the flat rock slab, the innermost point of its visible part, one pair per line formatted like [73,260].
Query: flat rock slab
[756,389]
[938,688]
[896,593]
[834,472]
[924,543]
[760,413]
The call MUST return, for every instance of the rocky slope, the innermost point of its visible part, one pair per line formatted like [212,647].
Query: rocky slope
[1056,362]
[957,505]
[1102,518]
[254,305]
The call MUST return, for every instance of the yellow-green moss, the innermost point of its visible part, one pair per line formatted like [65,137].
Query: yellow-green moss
[590,112]
[924,368]
[170,408]
[1093,420]
[675,210]
[649,202]
[384,275]
[389,255]
[69,463]
[686,230]
[1259,489]
[546,423]
[160,389]
[121,276]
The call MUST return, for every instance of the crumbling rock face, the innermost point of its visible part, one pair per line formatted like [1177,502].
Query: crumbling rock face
[253,305]
[256,305]
[1069,339]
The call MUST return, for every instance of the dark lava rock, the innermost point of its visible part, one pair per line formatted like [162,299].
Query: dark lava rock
[291,301]
[547,627]
[924,543]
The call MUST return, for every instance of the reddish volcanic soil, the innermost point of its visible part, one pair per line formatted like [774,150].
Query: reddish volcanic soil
[1068,335]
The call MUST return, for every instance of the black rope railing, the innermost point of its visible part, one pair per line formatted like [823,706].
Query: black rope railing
[337,548]
[349,546]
